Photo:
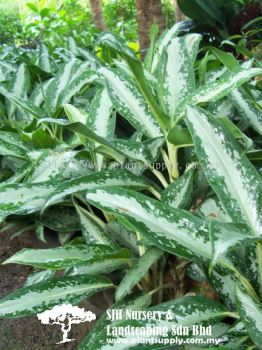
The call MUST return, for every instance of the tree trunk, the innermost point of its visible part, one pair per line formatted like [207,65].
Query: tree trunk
[97,14]
[148,11]
[65,329]
[179,16]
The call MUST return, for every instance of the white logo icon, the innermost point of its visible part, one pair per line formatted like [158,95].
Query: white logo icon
[65,315]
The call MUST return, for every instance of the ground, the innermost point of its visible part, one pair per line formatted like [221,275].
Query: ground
[28,333]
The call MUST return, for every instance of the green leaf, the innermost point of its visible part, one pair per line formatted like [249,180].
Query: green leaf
[148,61]
[134,302]
[226,58]
[222,241]
[92,233]
[186,311]
[100,179]
[44,59]
[28,198]
[146,152]
[251,314]
[37,277]
[68,81]
[99,118]
[231,175]
[248,109]
[203,11]
[63,257]
[179,193]
[129,102]
[11,144]
[141,88]
[137,272]
[60,219]
[32,7]
[176,71]
[21,103]
[29,301]
[217,89]
[175,231]
[224,284]
[120,259]
[211,209]
[19,87]
[50,165]
[165,39]
[6,69]
[182,137]
[38,95]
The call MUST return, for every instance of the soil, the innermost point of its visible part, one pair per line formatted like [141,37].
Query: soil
[28,332]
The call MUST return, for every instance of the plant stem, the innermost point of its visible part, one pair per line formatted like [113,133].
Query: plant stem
[232,314]
[168,165]
[155,193]
[242,340]
[172,155]
[160,177]
[141,249]
[162,266]
[259,260]
[164,286]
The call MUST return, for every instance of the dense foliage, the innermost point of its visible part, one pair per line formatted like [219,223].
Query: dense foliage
[147,172]
[150,167]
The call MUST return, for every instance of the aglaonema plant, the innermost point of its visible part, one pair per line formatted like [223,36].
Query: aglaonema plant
[151,161]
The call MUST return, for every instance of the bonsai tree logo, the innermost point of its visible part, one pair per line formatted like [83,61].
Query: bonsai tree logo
[65,315]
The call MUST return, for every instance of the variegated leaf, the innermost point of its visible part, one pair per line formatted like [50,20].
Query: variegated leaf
[44,59]
[61,218]
[104,178]
[32,197]
[225,237]
[251,314]
[99,118]
[92,233]
[165,39]
[186,311]
[67,82]
[224,284]
[129,101]
[211,209]
[22,104]
[29,301]
[6,69]
[50,165]
[137,272]
[36,277]
[179,193]
[175,231]
[39,93]
[11,144]
[119,260]
[117,45]
[19,87]
[134,302]
[63,257]
[231,175]
[218,88]
[247,108]
[176,71]
[145,152]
